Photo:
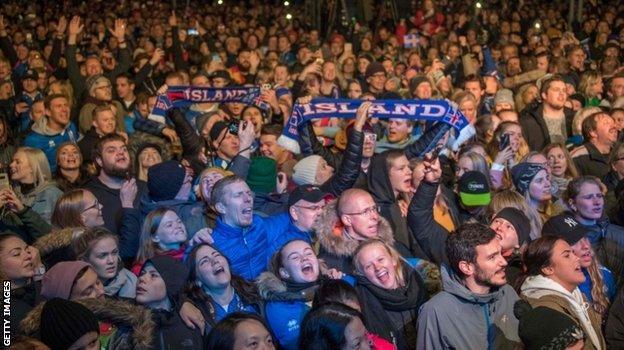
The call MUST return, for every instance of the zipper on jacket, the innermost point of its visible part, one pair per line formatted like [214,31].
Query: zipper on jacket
[488,325]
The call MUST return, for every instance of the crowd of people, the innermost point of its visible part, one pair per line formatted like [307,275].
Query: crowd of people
[123,228]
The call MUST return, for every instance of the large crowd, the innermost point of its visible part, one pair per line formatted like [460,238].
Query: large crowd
[200,228]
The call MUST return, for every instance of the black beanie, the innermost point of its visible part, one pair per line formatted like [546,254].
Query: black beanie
[63,322]
[173,272]
[519,221]
[545,328]
[164,180]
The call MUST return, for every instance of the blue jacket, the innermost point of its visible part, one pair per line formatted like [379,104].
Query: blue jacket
[290,233]
[43,138]
[247,249]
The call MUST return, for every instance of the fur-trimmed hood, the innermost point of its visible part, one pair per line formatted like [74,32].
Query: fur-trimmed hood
[133,322]
[330,232]
[272,288]
[56,239]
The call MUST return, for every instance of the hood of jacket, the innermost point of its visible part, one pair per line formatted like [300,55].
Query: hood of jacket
[134,323]
[41,127]
[272,287]
[535,287]
[123,285]
[451,283]
[55,240]
[379,184]
[330,232]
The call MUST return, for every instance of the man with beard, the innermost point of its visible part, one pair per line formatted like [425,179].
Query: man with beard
[600,133]
[548,121]
[113,161]
[475,308]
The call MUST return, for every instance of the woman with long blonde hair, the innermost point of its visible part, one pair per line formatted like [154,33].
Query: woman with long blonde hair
[562,168]
[591,86]
[30,171]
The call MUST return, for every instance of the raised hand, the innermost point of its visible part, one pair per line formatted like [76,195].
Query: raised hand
[75,26]
[361,115]
[173,19]
[119,31]
[128,193]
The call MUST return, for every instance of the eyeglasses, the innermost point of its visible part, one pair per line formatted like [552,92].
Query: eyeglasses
[313,208]
[366,212]
[95,205]
[370,137]
[104,87]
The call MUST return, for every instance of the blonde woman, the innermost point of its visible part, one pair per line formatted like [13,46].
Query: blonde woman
[390,291]
[516,149]
[591,86]
[34,187]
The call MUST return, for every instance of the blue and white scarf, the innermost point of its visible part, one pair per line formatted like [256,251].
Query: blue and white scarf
[430,110]
[183,96]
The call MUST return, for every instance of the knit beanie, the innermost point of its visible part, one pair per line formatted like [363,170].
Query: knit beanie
[417,80]
[304,172]
[504,96]
[522,175]
[164,180]
[262,175]
[173,272]
[63,322]
[95,81]
[519,221]
[545,328]
[58,281]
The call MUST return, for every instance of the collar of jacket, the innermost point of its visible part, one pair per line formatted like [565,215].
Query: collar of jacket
[231,231]
[594,154]
[453,284]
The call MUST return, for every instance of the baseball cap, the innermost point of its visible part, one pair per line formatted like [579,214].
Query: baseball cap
[566,226]
[308,193]
[474,189]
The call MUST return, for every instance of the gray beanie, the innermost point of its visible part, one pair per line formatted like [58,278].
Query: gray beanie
[304,172]
[504,96]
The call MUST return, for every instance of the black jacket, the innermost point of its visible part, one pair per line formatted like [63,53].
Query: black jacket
[380,188]
[592,162]
[614,328]
[534,126]
[111,204]
[345,176]
[87,144]
[171,333]
[393,314]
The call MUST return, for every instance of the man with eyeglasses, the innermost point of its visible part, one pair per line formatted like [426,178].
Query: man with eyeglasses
[344,223]
[549,121]
[100,91]
[376,78]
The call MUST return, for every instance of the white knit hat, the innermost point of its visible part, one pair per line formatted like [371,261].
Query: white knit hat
[304,172]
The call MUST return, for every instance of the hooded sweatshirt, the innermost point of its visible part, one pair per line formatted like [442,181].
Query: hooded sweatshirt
[551,294]
[457,318]
[381,189]
[47,140]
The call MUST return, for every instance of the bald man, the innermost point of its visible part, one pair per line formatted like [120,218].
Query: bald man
[344,223]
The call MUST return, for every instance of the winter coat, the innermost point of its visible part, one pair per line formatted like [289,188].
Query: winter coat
[542,291]
[87,144]
[133,323]
[291,232]
[589,161]
[247,248]
[336,251]
[170,332]
[47,140]
[614,328]
[285,307]
[428,233]
[122,286]
[392,314]
[56,247]
[381,189]
[111,204]
[457,318]
[42,199]
[608,243]
[27,224]
[534,126]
